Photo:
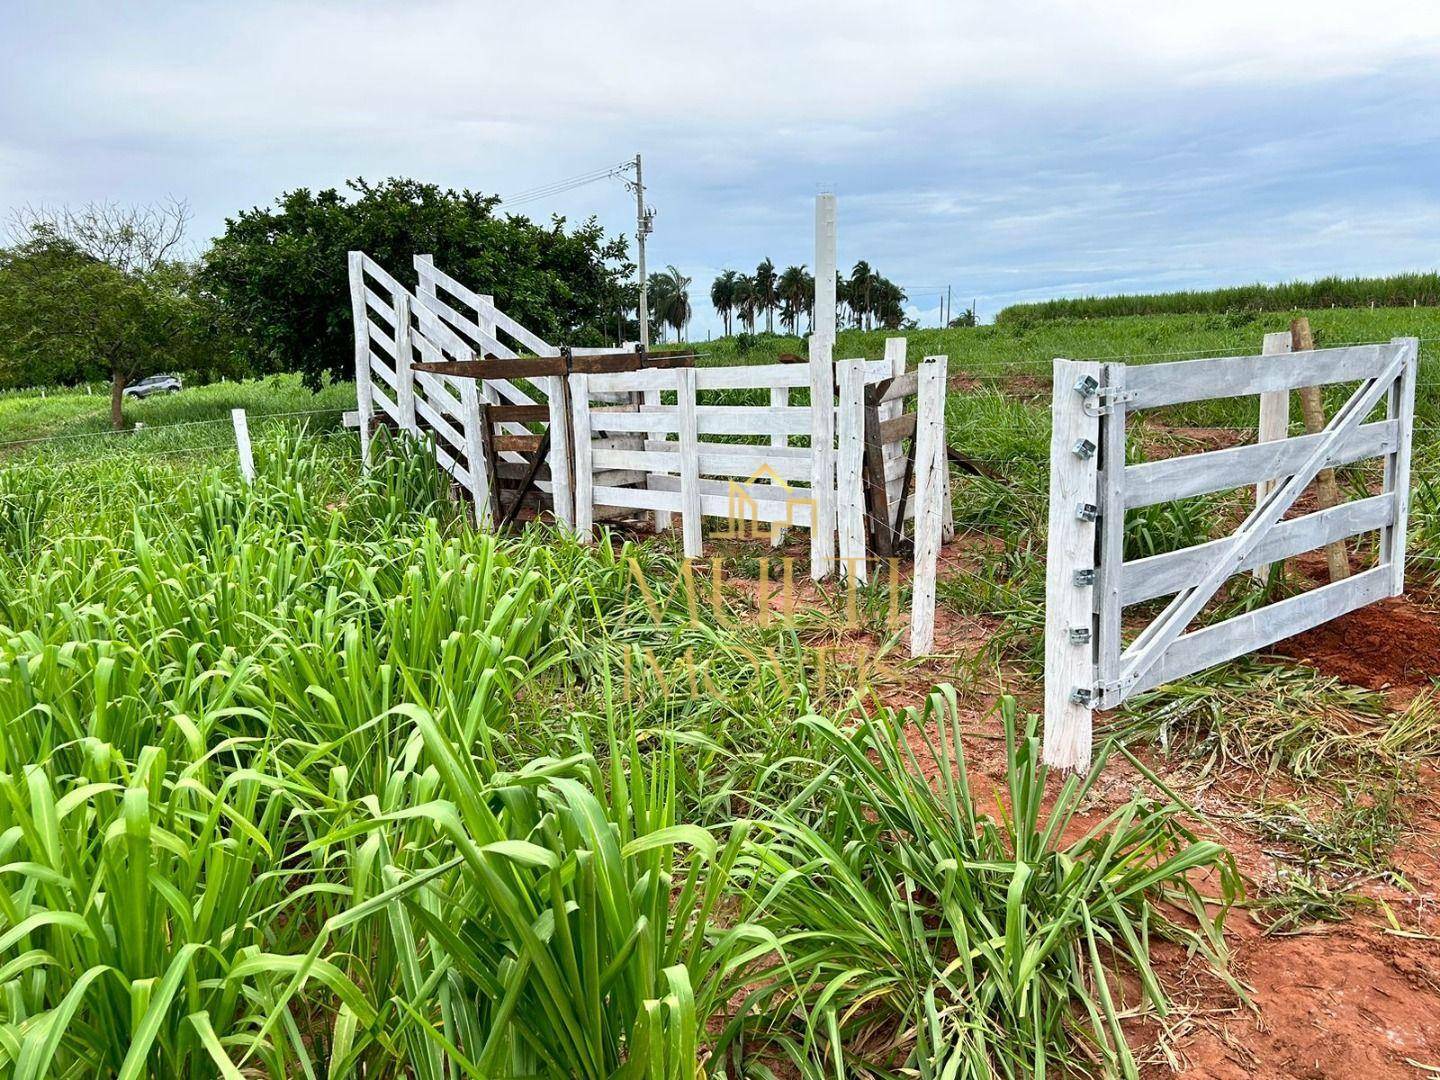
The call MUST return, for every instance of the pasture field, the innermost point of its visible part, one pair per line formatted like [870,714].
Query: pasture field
[310,778]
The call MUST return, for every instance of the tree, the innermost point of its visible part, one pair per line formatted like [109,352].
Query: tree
[747,300]
[795,289]
[677,309]
[765,295]
[862,281]
[95,292]
[722,296]
[282,270]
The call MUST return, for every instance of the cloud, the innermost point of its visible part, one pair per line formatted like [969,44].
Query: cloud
[1007,149]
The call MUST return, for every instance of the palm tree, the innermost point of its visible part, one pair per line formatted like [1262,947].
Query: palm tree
[794,290]
[747,300]
[765,295]
[862,282]
[660,289]
[722,295]
[676,309]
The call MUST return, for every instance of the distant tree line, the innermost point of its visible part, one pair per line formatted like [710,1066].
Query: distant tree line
[1399,290]
[866,299]
[105,291]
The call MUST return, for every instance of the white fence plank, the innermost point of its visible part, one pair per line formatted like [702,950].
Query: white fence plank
[1211,645]
[1240,376]
[1241,466]
[1069,604]
[1172,571]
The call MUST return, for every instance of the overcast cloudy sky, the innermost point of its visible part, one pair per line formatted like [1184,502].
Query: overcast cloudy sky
[1011,150]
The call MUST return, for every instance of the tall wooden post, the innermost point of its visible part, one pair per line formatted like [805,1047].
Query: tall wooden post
[1327,491]
[822,394]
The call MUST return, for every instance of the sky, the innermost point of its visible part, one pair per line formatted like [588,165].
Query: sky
[1012,151]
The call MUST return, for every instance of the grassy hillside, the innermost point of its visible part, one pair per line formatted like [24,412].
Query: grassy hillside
[1398,290]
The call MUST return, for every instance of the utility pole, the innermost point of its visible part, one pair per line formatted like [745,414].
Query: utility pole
[643,219]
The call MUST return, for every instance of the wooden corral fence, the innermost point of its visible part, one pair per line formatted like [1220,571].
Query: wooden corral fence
[630,431]
[445,323]
[1089,584]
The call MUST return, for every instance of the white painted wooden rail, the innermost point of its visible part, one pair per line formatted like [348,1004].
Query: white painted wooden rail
[1088,582]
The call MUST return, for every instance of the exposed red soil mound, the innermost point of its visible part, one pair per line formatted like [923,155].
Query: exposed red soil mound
[1394,643]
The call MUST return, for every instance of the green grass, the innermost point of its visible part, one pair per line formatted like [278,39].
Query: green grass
[309,778]
[74,423]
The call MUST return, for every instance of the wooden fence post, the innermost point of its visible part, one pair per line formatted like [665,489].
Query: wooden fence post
[849,492]
[562,483]
[404,365]
[242,444]
[779,399]
[930,463]
[822,394]
[584,472]
[822,458]
[1070,565]
[473,429]
[1327,492]
[1274,421]
[364,400]
[689,425]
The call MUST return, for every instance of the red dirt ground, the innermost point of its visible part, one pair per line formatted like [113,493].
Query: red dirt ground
[1394,644]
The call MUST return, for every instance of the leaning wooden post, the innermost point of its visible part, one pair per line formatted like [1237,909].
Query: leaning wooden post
[1327,491]
[822,394]
[930,492]
[1070,563]
[364,398]
[849,490]
[242,444]
[1274,422]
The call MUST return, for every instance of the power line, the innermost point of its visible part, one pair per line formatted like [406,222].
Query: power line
[557,187]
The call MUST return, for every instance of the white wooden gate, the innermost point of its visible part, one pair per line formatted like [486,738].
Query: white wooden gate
[1088,582]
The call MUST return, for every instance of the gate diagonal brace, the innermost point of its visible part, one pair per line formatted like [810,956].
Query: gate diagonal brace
[1147,649]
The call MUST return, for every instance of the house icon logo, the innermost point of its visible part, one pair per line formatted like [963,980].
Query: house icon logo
[764,497]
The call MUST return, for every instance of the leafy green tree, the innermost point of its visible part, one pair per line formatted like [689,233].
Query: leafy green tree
[282,270]
[94,293]
[722,295]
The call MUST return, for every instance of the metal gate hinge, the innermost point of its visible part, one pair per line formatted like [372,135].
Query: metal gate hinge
[1104,400]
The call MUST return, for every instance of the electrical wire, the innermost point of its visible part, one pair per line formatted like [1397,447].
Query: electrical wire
[557,187]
